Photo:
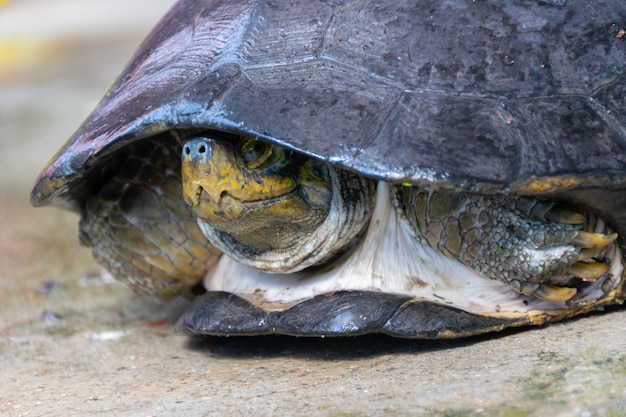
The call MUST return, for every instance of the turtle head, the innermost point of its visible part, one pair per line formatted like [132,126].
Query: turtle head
[262,195]
[252,197]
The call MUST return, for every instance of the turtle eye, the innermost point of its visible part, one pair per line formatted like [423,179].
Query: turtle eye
[317,170]
[255,152]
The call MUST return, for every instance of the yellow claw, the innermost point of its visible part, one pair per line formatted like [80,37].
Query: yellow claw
[554,294]
[589,254]
[589,271]
[594,240]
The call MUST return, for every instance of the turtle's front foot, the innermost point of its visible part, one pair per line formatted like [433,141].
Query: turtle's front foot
[535,246]
[585,267]
[548,242]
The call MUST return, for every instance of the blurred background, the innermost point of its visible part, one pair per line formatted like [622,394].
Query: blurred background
[57,58]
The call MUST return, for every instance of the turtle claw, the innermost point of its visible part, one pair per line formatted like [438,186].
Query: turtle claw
[563,216]
[589,271]
[589,254]
[554,294]
[594,240]
[548,211]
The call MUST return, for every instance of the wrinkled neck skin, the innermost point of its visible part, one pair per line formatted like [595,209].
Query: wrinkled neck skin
[350,211]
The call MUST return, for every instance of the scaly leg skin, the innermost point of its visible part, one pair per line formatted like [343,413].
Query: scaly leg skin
[522,241]
[138,226]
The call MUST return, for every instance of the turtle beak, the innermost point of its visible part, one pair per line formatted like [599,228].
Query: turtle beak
[209,169]
[197,170]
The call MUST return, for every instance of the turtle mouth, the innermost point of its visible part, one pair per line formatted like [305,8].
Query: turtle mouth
[227,206]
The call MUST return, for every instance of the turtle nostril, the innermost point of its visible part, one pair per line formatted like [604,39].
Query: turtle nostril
[199,148]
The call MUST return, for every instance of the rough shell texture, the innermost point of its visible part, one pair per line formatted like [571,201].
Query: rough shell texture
[482,95]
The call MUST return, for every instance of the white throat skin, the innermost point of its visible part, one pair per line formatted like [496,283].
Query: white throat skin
[390,259]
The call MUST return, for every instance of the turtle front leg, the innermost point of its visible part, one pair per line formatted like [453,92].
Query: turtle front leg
[138,225]
[526,242]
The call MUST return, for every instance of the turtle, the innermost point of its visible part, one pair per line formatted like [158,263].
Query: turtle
[420,169]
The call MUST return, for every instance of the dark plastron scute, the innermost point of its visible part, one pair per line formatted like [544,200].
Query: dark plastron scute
[225,314]
[340,313]
[427,320]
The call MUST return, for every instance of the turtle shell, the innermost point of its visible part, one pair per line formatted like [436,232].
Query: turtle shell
[516,96]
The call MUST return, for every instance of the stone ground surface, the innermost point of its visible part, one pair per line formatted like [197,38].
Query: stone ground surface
[73,343]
